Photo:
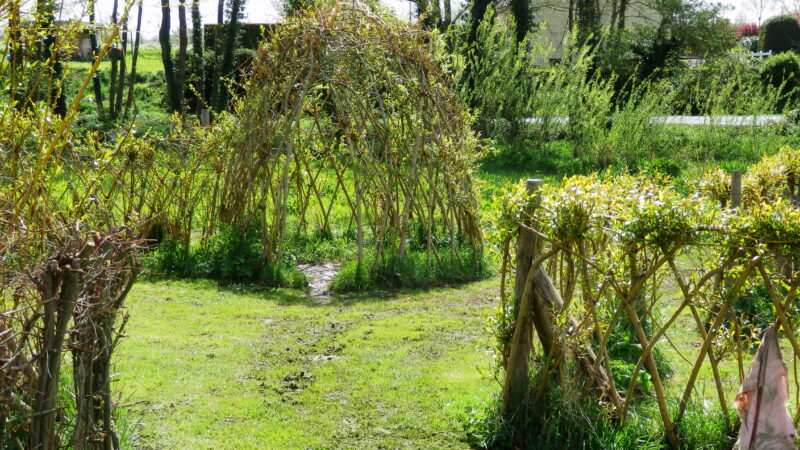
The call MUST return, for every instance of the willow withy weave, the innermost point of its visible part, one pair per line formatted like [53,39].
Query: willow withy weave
[349,107]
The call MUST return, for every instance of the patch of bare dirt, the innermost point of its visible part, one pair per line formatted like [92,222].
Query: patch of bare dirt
[319,277]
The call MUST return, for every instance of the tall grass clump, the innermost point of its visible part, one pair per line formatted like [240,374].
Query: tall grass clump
[416,270]
[569,423]
[230,256]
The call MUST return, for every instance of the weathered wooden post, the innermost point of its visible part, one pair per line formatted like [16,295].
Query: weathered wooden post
[536,300]
[528,244]
[205,117]
[734,203]
[515,390]
[736,189]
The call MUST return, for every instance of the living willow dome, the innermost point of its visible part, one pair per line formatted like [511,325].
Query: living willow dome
[349,125]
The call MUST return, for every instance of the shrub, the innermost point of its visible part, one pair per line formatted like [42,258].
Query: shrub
[720,86]
[232,255]
[782,71]
[747,30]
[555,157]
[781,34]
[415,270]
[663,166]
[755,309]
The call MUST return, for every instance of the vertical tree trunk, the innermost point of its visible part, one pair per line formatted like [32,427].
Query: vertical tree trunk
[623,6]
[173,95]
[183,43]
[448,14]
[588,21]
[215,69]
[123,66]
[97,87]
[134,58]
[423,12]
[227,56]
[522,15]
[198,66]
[476,17]
[114,56]
[435,16]
[51,63]
[614,12]
[14,44]
[571,15]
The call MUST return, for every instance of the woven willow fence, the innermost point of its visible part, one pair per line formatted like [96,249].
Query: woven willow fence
[350,118]
[595,256]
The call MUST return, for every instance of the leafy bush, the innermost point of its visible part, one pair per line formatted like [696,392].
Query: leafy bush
[755,309]
[780,34]
[323,245]
[232,255]
[416,270]
[554,157]
[782,71]
[623,372]
[663,166]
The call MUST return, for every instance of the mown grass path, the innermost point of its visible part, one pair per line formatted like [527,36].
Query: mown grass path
[204,367]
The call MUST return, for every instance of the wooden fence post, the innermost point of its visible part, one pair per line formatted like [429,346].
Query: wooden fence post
[736,189]
[205,117]
[516,389]
[537,296]
[527,244]
[735,203]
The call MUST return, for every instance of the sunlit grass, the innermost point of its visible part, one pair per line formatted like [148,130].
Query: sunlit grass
[149,60]
[209,368]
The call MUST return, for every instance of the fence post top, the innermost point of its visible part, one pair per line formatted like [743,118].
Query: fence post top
[533,183]
[736,189]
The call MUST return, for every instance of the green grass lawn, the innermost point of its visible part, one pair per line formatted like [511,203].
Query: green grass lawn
[149,60]
[204,367]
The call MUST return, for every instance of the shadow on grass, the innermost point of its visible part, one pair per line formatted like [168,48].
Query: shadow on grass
[295,297]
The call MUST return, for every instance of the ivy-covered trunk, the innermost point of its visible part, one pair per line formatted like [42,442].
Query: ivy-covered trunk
[174,94]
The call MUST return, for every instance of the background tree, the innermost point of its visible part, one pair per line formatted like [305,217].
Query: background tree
[231,31]
[759,7]
[123,66]
[619,10]
[14,44]
[477,12]
[117,55]
[174,94]
[429,14]
[780,34]
[134,57]
[197,54]
[684,26]
[114,56]
[183,43]
[521,9]
[48,85]
[587,21]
